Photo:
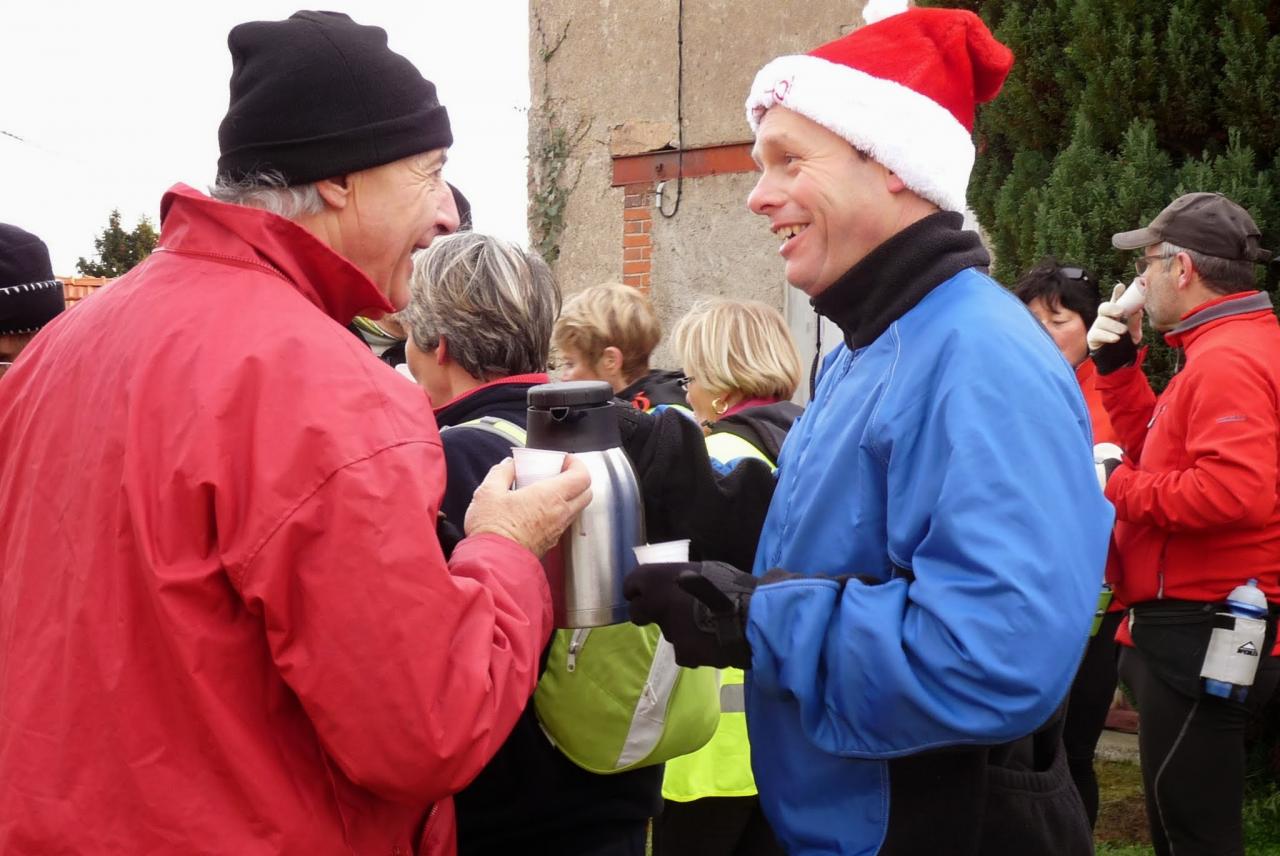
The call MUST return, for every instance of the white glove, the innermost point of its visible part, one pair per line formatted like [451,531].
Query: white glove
[1111,323]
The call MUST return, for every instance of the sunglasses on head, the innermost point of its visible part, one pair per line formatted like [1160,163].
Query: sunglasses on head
[1073,273]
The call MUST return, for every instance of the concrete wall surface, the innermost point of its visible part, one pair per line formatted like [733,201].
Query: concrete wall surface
[608,71]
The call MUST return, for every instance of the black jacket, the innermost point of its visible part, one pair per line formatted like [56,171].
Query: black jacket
[764,427]
[530,798]
[657,387]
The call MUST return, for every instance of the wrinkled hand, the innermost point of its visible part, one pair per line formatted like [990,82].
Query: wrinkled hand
[1113,339]
[700,606]
[534,516]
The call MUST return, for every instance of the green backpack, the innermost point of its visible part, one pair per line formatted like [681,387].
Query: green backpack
[612,698]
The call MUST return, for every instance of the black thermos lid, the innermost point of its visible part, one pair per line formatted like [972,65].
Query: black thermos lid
[574,416]
[570,393]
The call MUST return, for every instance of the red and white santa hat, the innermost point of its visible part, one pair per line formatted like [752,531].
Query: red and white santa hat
[901,89]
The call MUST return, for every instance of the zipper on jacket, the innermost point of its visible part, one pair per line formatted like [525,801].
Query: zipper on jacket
[576,642]
[1164,549]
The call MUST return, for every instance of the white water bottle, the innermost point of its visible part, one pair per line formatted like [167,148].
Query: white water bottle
[1235,647]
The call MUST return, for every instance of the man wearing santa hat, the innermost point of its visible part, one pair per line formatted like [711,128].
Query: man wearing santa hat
[917,608]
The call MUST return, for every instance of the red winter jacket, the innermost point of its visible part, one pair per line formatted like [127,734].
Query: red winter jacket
[226,625]
[1196,503]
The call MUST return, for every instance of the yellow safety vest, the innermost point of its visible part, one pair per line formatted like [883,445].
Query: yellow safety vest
[722,768]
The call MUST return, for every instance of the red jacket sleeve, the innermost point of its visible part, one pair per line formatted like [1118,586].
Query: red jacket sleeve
[412,671]
[1129,402]
[1230,451]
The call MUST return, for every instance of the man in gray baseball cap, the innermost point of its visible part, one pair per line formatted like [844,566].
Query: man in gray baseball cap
[1209,223]
[1196,505]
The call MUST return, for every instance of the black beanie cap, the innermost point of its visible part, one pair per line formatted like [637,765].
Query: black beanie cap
[30,296]
[318,95]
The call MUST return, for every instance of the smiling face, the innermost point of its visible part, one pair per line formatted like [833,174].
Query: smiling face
[1065,326]
[392,210]
[829,204]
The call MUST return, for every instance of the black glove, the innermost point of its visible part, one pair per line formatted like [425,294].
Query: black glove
[700,606]
[1115,355]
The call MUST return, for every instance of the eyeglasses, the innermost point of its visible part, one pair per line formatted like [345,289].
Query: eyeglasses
[1143,262]
[684,382]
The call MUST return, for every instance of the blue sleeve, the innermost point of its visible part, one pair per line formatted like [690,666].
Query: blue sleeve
[994,510]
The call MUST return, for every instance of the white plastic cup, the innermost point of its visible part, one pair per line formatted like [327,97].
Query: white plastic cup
[1133,299]
[664,551]
[535,465]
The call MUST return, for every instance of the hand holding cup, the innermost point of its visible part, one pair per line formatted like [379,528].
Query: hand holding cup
[533,516]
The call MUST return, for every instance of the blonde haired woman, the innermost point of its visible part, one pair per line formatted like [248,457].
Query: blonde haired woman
[741,368]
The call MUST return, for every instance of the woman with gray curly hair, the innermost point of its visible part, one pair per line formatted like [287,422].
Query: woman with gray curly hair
[479,322]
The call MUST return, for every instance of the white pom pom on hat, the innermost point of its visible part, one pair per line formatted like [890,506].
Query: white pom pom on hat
[878,10]
[903,90]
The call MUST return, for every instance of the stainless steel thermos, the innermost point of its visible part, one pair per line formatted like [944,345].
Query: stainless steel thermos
[595,553]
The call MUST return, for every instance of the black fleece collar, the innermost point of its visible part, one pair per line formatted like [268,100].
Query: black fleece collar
[897,275]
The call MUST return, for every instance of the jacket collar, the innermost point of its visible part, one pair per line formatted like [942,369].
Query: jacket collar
[1086,371]
[1203,316]
[480,399]
[897,275]
[195,225]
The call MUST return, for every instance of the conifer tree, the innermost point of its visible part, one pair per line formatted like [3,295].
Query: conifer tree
[118,249]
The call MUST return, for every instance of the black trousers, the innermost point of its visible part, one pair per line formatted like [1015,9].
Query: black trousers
[1087,706]
[623,838]
[716,826]
[1193,759]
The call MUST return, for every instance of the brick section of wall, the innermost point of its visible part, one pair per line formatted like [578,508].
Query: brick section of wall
[637,235]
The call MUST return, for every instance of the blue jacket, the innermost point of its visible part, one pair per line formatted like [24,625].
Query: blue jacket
[956,448]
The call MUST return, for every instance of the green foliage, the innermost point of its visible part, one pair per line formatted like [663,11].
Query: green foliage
[1115,107]
[119,250]
[551,142]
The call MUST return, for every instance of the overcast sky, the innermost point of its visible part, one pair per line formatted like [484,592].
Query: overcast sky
[115,101]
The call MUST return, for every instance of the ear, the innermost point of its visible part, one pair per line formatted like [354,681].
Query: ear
[442,352]
[893,183]
[336,192]
[1188,268]
[611,359]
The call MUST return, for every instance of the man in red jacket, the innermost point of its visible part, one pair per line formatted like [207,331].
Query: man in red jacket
[1196,504]
[226,624]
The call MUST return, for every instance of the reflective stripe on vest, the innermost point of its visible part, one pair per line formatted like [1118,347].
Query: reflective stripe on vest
[733,699]
[504,428]
[726,448]
[649,718]
[722,768]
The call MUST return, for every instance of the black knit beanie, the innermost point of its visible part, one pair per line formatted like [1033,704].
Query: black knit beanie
[30,296]
[318,96]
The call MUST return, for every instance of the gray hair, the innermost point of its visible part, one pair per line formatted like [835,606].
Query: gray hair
[270,191]
[491,301]
[1225,276]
